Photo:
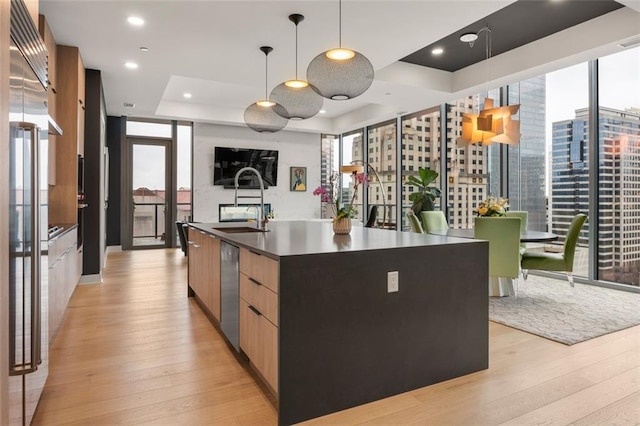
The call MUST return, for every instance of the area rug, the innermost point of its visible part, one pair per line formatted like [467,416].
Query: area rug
[552,309]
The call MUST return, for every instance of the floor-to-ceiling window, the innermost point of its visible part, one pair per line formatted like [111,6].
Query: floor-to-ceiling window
[352,150]
[527,160]
[420,149]
[567,130]
[466,167]
[381,155]
[619,167]
[329,166]
[183,172]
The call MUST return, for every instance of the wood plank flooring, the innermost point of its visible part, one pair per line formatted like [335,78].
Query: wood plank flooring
[136,350]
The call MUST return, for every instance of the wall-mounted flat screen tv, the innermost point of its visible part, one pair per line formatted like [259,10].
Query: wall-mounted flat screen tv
[228,161]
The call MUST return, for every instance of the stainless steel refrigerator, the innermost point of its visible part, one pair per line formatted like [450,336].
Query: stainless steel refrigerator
[28,303]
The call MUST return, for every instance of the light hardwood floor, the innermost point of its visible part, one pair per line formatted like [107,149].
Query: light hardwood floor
[136,350]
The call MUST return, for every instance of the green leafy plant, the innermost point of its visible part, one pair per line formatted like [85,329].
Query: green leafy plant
[424,197]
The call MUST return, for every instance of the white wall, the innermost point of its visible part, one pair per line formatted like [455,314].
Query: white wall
[294,149]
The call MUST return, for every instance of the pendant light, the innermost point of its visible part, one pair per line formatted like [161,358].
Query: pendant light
[296,99]
[490,124]
[340,73]
[260,115]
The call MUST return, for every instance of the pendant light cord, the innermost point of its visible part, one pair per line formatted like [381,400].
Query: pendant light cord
[296,51]
[266,75]
[340,23]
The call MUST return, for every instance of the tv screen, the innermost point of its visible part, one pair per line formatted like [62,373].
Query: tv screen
[228,161]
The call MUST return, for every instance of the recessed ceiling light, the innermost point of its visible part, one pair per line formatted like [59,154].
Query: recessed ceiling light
[468,37]
[131,65]
[322,111]
[187,95]
[135,21]
[144,49]
[437,51]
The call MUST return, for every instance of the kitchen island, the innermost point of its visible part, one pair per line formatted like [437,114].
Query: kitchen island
[320,322]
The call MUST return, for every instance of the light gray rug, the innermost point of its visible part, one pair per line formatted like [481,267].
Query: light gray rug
[552,309]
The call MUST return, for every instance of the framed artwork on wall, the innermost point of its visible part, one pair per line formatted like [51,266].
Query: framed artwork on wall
[298,178]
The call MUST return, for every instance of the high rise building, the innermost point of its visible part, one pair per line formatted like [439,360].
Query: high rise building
[527,159]
[619,180]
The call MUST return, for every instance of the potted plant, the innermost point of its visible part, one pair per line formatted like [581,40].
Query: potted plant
[493,207]
[424,198]
[343,212]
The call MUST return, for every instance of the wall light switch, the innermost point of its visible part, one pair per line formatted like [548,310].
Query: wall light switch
[392,281]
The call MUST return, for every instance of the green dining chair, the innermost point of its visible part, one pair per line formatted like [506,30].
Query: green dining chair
[503,234]
[434,221]
[543,261]
[415,223]
[524,224]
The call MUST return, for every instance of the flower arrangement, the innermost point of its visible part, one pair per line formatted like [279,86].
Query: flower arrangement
[493,207]
[331,194]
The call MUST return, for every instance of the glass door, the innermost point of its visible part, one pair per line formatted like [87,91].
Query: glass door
[149,218]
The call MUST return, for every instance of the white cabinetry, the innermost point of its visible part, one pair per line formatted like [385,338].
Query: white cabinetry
[63,276]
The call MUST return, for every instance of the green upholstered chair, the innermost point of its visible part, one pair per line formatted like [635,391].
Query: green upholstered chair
[503,234]
[434,221]
[524,224]
[556,261]
[415,223]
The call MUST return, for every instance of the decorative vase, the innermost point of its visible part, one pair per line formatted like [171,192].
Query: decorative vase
[342,226]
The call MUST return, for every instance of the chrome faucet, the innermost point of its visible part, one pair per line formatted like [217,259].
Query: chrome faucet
[262,221]
[257,211]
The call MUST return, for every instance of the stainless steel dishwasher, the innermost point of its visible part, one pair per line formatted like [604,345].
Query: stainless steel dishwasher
[229,281]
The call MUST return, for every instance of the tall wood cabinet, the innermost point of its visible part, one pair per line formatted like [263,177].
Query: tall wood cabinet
[52,90]
[70,106]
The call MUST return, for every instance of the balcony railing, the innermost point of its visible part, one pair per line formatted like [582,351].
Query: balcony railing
[149,223]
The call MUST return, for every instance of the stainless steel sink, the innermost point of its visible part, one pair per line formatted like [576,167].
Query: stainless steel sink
[238,229]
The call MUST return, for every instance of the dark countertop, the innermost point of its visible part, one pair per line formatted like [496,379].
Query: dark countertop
[295,238]
[65,227]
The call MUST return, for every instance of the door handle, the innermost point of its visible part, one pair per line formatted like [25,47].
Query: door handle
[35,354]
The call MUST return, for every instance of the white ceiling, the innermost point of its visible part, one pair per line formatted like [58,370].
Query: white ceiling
[210,49]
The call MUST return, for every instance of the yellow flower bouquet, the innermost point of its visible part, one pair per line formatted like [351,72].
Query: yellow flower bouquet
[493,207]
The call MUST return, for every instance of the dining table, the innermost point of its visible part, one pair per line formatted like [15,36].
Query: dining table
[525,236]
[501,286]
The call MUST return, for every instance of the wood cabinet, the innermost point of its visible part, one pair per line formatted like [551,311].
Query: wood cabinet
[63,276]
[52,49]
[259,313]
[69,79]
[204,269]
[50,44]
